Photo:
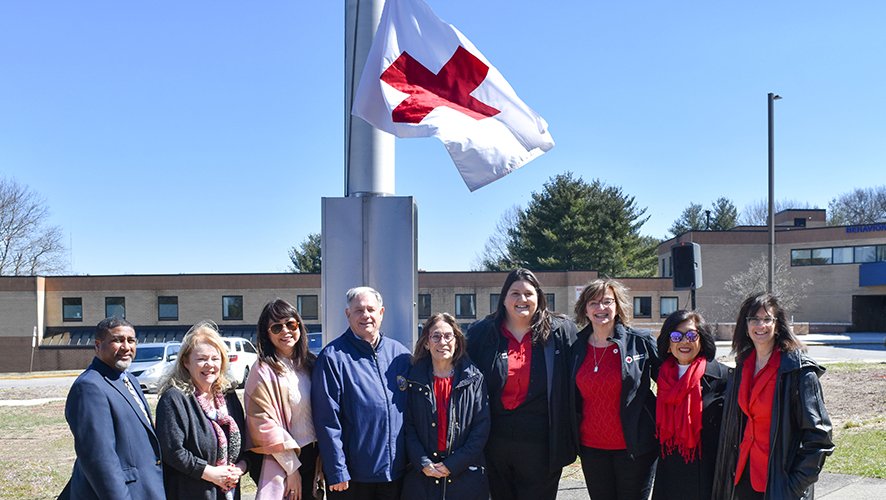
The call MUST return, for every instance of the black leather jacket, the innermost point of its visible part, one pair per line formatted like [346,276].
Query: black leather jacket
[639,366]
[799,439]
[483,347]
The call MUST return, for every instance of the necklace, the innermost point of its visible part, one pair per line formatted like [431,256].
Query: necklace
[597,363]
[447,375]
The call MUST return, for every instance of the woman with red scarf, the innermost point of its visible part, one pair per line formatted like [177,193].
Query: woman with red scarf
[689,407]
[776,432]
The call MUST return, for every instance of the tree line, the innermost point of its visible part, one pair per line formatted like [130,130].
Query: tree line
[573,224]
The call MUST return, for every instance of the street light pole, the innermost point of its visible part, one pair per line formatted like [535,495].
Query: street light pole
[770,283]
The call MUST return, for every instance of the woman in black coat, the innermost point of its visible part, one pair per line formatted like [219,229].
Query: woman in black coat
[522,350]
[447,417]
[691,384]
[199,422]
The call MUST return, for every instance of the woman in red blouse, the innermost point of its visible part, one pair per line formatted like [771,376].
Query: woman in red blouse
[523,351]
[776,431]
[613,365]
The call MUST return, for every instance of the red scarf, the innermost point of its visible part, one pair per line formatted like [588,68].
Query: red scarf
[678,408]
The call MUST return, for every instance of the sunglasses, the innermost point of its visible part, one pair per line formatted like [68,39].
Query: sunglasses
[277,328]
[690,336]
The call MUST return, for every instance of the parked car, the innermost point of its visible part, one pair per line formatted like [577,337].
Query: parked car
[152,361]
[241,356]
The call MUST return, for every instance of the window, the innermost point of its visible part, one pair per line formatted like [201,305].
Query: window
[799,221]
[465,305]
[821,256]
[865,254]
[668,305]
[308,306]
[115,306]
[167,308]
[232,307]
[843,255]
[881,253]
[667,270]
[549,297]
[248,347]
[72,309]
[424,305]
[642,307]
[493,302]
[801,257]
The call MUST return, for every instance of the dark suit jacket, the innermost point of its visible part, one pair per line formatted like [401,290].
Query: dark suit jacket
[118,454]
[189,443]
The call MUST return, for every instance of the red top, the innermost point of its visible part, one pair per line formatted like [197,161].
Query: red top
[600,425]
[755,397]
[442,391]
[519,363]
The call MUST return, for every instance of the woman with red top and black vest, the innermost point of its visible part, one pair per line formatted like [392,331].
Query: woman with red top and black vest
[522,350]
[776,432]
[447,417]
[689,408]
[613,365]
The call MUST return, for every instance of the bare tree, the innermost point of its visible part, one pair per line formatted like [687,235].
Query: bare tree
[861,206]
[496,254]
[757,213]
[28,245]
[739,286]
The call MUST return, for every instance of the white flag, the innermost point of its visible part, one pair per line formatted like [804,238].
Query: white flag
[424,78]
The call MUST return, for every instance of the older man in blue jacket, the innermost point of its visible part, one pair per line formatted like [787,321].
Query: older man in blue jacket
[358,398]
[118,455]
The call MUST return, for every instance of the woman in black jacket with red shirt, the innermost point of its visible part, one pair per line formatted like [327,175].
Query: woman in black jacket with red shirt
[522,351]
[447,417]
[613,366]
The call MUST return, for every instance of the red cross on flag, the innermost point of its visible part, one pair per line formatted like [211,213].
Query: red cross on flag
[424,78]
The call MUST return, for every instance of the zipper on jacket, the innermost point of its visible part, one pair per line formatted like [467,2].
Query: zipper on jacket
[381,379]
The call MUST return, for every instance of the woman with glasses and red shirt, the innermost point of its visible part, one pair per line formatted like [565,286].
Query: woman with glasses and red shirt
[776,432]
[447,417]
[613,366]
[278,406]
[689,407]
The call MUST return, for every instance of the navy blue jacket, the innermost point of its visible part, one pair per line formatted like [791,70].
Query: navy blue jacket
[469,422]
[118,454]
[358,397]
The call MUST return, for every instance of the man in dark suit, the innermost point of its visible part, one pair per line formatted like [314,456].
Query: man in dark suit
[118,455]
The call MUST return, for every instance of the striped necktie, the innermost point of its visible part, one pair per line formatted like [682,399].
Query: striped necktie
[138,400]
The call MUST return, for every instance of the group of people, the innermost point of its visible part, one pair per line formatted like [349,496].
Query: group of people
[497,412]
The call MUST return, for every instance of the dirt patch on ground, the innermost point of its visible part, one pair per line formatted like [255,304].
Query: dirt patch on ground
[855,394]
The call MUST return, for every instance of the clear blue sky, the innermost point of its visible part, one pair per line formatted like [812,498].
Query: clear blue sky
[199,136]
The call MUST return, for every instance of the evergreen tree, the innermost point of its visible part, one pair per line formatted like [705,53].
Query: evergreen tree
[573,225]
[306,259]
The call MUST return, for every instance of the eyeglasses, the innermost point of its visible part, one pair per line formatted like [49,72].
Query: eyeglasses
[605,303]
[690,336]
[768,320]
[446,337]
[277,328]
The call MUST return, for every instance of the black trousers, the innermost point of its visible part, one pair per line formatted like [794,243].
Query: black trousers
[744,490]
[308,458]
[615,475]
[519,471]
[368,491]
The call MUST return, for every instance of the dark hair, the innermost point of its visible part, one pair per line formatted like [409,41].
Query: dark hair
[461,345]
[597,289]
[105,326]
[705,336]
[280,310]
[541,320]
[785,339]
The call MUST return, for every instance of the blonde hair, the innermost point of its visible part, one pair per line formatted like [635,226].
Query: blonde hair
[204,332]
